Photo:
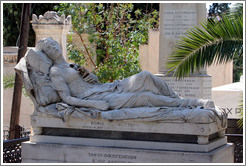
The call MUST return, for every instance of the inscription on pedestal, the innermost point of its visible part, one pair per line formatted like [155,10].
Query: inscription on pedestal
[191,87]
[176,23]
[175,20]
[111,158]
[101,125]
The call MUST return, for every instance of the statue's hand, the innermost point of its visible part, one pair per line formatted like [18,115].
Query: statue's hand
[90,79]
[87,76]
[83,71]
[101,105]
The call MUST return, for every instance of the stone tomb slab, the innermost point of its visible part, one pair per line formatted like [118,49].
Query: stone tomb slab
[134,126]
[201,131]
[65,153]
[131,144]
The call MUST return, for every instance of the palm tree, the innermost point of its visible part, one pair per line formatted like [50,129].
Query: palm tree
[216,42]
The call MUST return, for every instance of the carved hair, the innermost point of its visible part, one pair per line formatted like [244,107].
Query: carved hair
[44,43]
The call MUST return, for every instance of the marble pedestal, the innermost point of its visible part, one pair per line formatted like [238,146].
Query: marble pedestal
[104,141]
[197,86]
[39,152]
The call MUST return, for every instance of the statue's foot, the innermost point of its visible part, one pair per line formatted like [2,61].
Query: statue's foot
[204,103]
[207,104]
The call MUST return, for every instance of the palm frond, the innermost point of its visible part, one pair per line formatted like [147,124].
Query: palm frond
[8,80]
[240,121]
[216,42]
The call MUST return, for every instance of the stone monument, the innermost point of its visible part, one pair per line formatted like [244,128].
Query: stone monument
[139,119]
[52,25]
[175,20]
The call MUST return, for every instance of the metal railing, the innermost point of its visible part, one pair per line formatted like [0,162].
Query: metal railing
[237,140]
[23,132]
[12,150]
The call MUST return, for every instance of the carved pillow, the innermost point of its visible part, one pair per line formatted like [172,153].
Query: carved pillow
[38,69]
[44,93]
[38,61]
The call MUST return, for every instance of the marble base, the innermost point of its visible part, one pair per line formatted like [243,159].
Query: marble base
[201,131]
[132,144]
[33,152]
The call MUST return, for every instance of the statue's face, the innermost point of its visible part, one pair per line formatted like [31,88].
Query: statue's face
[52,49]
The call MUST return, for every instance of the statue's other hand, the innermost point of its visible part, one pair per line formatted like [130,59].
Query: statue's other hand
[101,105]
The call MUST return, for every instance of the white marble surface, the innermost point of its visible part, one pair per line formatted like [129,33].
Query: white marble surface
[132,144]
[131,126]
[64,153]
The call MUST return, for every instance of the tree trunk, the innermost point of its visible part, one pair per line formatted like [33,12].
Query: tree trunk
[22,48]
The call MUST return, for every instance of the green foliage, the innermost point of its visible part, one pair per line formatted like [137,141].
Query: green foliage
[240,122]
[8,81]
[12,19]
[11,23]
[218,9]
[218,41]
[115,32]
[237,10]
[237,68]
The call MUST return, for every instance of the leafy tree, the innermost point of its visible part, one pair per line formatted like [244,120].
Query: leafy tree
[11,23]
[218,9]
[115,32]
[237,61]
[12,19]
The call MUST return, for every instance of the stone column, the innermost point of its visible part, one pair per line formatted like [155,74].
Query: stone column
[52,25]
[175,20]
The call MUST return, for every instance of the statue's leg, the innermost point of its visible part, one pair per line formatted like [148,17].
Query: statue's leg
[145,81]
[152,100]
[161,85]
[143,99]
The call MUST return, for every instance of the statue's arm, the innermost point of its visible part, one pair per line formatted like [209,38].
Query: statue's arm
[61,86]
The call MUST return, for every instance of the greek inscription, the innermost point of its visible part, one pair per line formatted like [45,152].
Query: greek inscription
[176,23]
[94,125]
[231,110]
[97,123]
[126,124]
[111,158]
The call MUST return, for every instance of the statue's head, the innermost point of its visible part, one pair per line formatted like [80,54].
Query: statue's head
[50,47]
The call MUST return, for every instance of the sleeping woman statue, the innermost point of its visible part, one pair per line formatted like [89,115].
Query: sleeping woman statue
[77,86]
